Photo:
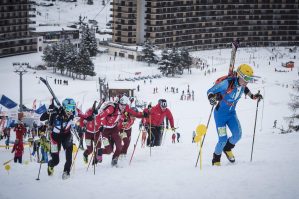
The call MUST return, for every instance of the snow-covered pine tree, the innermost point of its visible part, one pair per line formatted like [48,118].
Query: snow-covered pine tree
[186,59]
[51,55]
[89,40]
[294,106]
[175,62]
[71,54]
[148,53]
[164,63]
[84,64]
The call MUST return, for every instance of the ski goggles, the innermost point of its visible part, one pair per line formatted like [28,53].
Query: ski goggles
[163,104]
[246,78]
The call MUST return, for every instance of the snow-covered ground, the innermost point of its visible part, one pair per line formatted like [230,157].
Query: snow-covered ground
[169,172]
[67,13]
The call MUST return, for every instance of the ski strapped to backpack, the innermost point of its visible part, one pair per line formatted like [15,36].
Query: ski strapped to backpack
[51,91]
[235,45]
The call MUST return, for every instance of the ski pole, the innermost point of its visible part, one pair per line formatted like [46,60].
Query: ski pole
[8,161]
[134,147]
[204,136]
[92,155]
[73,163]
[150,135]
[40,166]
[257,107]
[263,110]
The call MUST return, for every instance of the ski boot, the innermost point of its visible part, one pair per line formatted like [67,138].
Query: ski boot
[216,160]
[95,161]
[114,162]
[66,175]
[50,171]
[99,155]
[85,159]
[228,152]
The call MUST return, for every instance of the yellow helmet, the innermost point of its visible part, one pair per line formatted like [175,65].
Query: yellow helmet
[245,71]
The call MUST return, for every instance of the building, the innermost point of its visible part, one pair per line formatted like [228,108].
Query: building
[15,35]
[205,24]
[53,34]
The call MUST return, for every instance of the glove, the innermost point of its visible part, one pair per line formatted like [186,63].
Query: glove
[89,118]
[126,114]
[257,96]
[145,114]
[101,128]
[213,99]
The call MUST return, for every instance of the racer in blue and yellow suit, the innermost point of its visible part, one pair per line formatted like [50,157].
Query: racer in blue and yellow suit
[227,93]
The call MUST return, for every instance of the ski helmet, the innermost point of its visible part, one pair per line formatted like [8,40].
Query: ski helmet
[124,100]
[245,72]
[135,109]
[163,103]
[69,105]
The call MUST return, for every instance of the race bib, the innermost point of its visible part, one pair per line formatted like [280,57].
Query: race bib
[221,131]
[54,148]
[105,142]
[88,142]
[123,135]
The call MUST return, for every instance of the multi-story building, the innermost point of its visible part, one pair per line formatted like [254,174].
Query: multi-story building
[205,24]
[15,36]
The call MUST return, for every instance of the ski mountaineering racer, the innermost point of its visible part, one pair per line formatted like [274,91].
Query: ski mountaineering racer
[225,96]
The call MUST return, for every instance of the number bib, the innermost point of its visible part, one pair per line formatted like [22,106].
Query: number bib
[221,131]
[54,148]
[105,142]
[123,135]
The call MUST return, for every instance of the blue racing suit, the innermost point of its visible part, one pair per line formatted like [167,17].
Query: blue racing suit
[225,113]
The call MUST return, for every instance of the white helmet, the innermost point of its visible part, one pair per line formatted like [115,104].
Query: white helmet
[124,100]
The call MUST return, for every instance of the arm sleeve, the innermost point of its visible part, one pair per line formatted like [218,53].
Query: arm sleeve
[217,88]
[107,112]
[248,92]
[170,118]
[133,113]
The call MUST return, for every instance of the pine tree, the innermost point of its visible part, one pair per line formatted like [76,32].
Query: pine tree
[186,59]
[175,62]
[148,53]
[164,63]
[84,64]
[294,106]
[89,40]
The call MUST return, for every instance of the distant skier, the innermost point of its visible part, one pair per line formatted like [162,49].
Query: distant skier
[227,93]
[173,138]
[275,122]
[18,149]
[178,136]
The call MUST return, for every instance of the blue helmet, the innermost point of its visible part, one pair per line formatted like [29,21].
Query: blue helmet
[69,105]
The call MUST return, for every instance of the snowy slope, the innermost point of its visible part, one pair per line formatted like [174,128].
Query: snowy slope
[169,172]
[67,13]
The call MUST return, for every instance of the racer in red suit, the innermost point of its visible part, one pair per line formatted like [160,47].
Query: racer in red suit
[18,148]
[155,119]
[91,127]
[125,125]
[110,117]
[20,130]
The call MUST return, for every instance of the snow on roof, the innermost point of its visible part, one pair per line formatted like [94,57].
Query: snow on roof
[52,28]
